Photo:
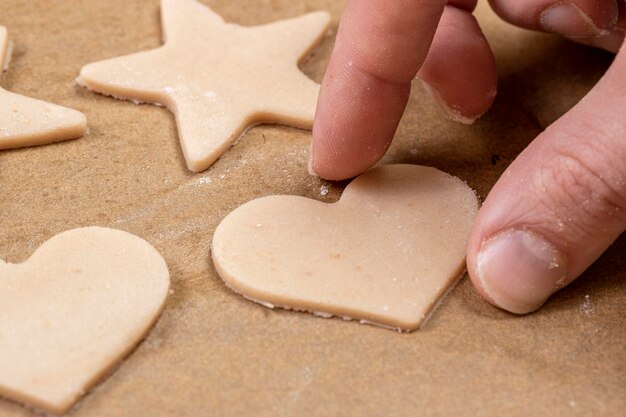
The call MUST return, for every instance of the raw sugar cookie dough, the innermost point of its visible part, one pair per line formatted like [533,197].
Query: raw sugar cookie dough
[217,78]
[25,121]
[385,253]
[73,310]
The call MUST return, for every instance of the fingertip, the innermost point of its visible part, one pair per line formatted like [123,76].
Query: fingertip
[351,133]
[379,48]
[356,118]
[453,112]
[459,72]
[610,42]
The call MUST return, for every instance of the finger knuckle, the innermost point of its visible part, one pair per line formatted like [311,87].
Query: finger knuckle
[587,192]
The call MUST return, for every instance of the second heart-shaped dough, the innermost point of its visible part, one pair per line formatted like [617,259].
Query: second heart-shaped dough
[76,307]
[385,253]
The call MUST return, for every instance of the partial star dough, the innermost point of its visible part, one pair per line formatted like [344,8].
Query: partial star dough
[218,78]
[385,253]
[25,121]
[72,311]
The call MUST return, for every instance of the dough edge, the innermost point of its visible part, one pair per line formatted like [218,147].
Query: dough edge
[74,400]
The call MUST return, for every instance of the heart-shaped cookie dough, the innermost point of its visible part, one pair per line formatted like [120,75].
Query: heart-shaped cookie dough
[73,310]
[385,253]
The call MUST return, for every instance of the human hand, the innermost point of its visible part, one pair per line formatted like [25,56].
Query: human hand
[560,204]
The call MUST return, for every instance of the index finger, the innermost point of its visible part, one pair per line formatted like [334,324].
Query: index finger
[380,47]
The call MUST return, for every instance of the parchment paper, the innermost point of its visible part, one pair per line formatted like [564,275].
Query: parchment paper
[213,353]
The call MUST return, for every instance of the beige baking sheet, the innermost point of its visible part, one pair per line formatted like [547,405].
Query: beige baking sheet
[213,353]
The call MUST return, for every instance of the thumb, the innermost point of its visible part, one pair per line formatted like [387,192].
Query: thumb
[559,205]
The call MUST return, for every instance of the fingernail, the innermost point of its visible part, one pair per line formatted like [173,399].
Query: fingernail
[452,113]
[611,42]
[518,270]
[570,21]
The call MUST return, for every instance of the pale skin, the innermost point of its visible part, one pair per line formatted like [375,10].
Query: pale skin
[560,204]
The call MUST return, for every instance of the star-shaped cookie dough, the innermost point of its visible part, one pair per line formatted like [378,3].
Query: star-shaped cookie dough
[218,78]
[25,121]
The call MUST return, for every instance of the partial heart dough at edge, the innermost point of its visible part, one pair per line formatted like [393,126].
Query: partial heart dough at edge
[384,254]
[73,311]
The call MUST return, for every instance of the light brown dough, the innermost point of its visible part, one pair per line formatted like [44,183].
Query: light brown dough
[25,121]
[218,78]
[71,312]
[385,253]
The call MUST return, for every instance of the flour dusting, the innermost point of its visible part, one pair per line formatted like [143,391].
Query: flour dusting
[586,307]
